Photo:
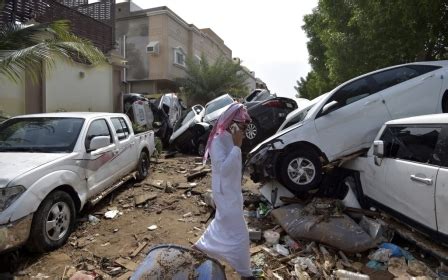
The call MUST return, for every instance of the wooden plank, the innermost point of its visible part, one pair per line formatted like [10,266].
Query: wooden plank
[139,249]
[129,265]
[140,199]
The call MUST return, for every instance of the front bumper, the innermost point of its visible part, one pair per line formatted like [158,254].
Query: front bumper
[262,165]
[14,234]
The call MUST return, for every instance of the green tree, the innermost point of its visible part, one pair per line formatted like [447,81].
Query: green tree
[25,48]
[205,81]
[348,38]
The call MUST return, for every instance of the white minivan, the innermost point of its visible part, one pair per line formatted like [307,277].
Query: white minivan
[405,172]
[347,120]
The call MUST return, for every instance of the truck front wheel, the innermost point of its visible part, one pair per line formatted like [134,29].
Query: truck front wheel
[52,223]
[143,166]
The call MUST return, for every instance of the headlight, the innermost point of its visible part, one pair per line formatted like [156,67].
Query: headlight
[9,195]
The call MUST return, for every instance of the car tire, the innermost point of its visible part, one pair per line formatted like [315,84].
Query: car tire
[52,223]
[253,132]
[201,148]
[143,166]
[445,102]
[300,170]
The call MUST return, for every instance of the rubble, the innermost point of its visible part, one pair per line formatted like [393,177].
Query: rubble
[140,199]
[152,227]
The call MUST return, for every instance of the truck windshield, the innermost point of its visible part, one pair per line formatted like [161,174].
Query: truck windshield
[40,135]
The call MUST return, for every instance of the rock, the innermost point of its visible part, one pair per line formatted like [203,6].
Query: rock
[189,214]
[152,227]
[169,188]
[140,199]
[111,214]
[93,220]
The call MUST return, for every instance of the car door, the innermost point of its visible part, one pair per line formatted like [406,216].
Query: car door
[100,166]
[441,196]
[411,163]
[355,120]
[127,155]
[410,90]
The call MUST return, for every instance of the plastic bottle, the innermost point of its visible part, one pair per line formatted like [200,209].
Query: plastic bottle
[348,275]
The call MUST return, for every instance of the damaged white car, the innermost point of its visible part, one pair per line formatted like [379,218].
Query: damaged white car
[405,172]
[52,165]
[347,120]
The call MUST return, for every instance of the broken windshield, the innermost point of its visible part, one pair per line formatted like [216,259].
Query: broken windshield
[40,135]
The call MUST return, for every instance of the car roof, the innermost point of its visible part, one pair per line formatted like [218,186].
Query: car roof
[83,115]
[425,119]
[219,97]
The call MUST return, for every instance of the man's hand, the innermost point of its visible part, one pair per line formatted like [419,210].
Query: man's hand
[238,137]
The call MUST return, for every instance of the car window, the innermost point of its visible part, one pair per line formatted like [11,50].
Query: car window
[97,128]
[188,117]
[350,93]
[391,77]
[121,128]
[218,104]
[300,117]
[414,143]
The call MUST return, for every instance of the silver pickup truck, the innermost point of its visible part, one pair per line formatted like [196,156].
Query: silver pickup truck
[52,165]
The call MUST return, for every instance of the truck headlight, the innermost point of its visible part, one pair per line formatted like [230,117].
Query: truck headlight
[8,195]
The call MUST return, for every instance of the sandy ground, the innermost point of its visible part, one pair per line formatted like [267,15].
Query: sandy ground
[180,218]
[94,247]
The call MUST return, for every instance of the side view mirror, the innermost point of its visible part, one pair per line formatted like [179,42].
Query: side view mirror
[329,107]
[98,142]
[378,151]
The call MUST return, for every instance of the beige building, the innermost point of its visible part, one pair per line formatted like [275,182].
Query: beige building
[156,43]
[68,86]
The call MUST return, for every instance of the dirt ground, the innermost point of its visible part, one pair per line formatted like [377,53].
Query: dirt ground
[179,218]
[179,212]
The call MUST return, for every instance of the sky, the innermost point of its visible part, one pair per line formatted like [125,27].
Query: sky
[266,35]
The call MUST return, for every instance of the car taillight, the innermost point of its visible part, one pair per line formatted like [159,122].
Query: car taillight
[273,104]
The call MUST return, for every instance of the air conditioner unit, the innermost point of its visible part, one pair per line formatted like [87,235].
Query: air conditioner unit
[153,47]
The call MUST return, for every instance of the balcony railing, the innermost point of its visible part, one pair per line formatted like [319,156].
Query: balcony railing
[94,22]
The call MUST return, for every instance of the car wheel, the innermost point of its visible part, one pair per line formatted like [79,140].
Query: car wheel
[252,131]
[201,149]
[143,166]
[301,170]
[445,102]
[52,223]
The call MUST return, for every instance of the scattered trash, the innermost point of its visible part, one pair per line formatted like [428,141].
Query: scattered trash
[282,250]
[169,188]
[255,234]
[152,227]
[372,227]
[189,214]
[397,251]
[398,267]
[111,214]
[93,220]
[319,222]
[139,249]
[273,191]
[128,264]
[82,275]
[381,255]
[291,243]
[305,263]
[348,275]
[262,210]
[376,265]
[271,237]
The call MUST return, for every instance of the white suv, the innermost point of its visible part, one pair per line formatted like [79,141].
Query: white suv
[405,172]
[347,120]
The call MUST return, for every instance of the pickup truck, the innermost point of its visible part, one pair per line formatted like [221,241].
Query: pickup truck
[405,173]
[52,165]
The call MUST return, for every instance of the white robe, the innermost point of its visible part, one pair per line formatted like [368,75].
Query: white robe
[227,236]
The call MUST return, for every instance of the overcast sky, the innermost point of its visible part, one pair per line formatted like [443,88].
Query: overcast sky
[265,34]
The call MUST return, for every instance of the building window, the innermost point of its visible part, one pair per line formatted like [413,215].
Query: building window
[179,56]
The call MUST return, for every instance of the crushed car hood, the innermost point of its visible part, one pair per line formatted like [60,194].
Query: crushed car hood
[16,164]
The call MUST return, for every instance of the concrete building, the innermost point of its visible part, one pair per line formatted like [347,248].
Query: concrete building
[156,43]
[68,86]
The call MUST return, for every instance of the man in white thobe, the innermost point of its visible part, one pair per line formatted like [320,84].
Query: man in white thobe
[227,236]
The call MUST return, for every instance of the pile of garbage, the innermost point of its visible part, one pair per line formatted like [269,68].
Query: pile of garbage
[318,240]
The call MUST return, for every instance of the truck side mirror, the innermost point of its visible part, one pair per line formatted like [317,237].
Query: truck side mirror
[98,142]
[378,151]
